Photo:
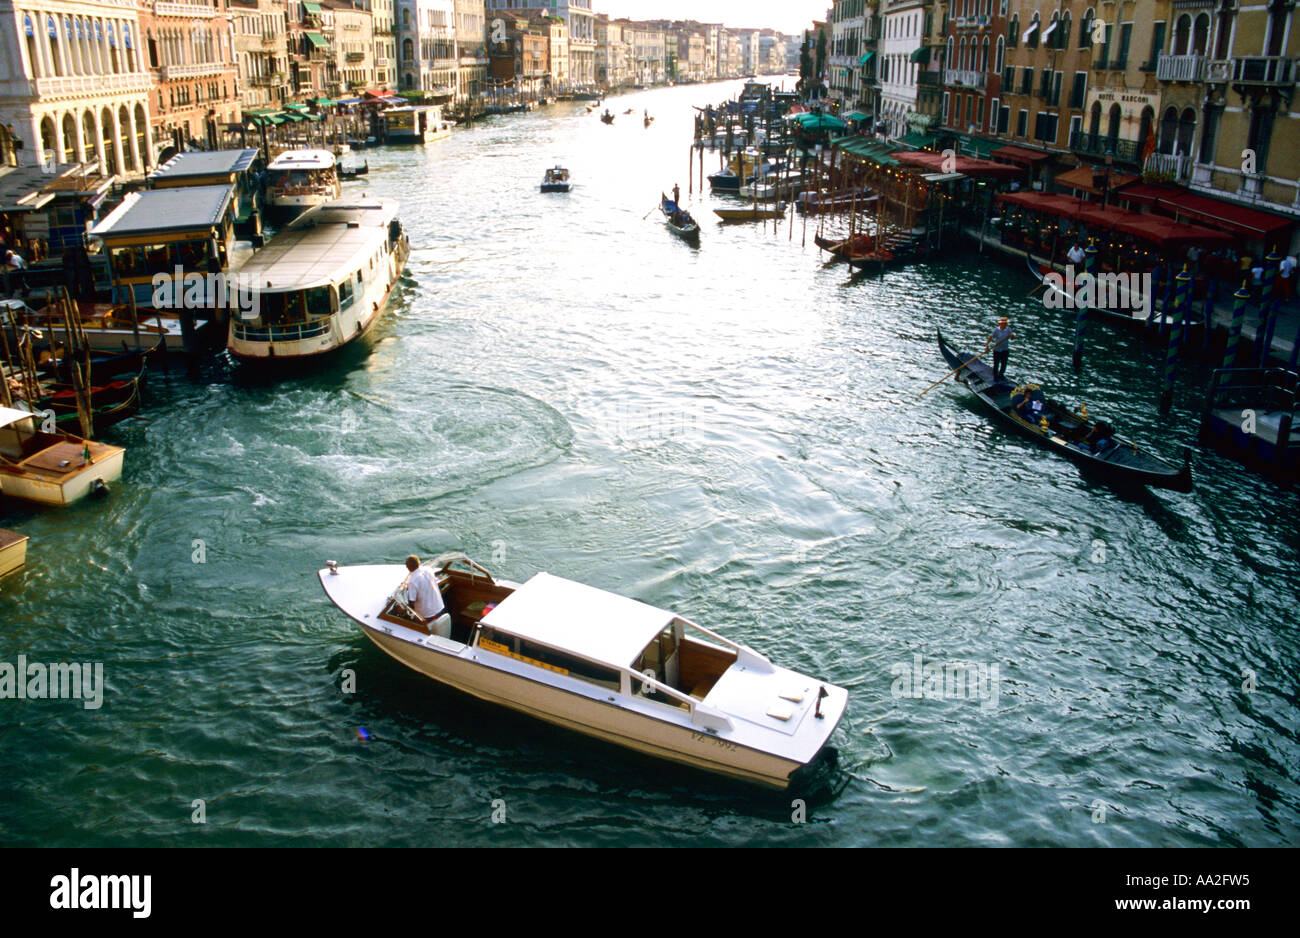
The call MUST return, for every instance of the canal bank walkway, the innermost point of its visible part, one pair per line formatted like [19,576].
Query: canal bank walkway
[1286,329]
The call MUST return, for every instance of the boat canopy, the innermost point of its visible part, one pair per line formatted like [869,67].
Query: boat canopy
[587,621]
[11,415]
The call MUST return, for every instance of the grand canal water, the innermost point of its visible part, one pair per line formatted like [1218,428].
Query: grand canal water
[732,432]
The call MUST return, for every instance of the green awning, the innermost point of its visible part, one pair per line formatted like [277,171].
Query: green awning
[866,57]
[290,115]
[819,122]
[317,40]
[312,8]
[978,147]
[921,55]
[916,140]
[323,102]
[857,116]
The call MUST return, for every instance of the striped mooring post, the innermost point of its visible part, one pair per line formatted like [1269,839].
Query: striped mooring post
[1239,301]
[1081,314]
[1267,309]
[1182,291]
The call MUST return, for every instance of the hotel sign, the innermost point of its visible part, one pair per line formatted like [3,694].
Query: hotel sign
[1128,97]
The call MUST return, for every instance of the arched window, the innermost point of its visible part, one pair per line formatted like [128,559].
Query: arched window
[1201,34]
[131,65]
[1013,31]
[952,63]
[1112,125]
[1094,120]
[1182,35]
[1186,131]
[89,145]
[1002,43]
[984,55]
[69,138]
[1085,28]
[961,55]
[1033,31]
[1168,130]
[49,141]
[106,132]
[1145,128]
[124,136]
[56,58]
[1063,37]
[142,136]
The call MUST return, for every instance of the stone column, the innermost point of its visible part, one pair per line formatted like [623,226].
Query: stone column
[116,132]
[99,142]
[136,156]
[79,138]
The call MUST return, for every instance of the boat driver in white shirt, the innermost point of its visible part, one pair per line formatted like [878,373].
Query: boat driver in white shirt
[422,590]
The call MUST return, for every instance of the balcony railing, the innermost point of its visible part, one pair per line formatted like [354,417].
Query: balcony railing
[1181,68]
[1128,151]
[966,77]
[1263,70]
[174,72]
[1175,165]
[91,85]
[184,9]
[927,79]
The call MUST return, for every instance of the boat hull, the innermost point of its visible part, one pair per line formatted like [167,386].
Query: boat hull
[585,715]
[1165,475]
[13,551]
[46,491]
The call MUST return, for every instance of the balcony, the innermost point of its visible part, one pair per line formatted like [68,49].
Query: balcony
[1175,166]
[184,9]
[965,77]
[928,79]
[355,56]
[1100,145]
[1262,70]
[91,85]
[1181,68]
[177,72]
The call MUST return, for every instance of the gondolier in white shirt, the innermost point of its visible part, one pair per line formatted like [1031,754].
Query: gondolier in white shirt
[1000,339]
[422,590]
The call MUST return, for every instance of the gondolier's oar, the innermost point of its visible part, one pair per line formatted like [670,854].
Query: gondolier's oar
[955,370]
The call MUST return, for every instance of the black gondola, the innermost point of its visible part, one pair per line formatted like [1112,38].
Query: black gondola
[678,219]
[1091,445]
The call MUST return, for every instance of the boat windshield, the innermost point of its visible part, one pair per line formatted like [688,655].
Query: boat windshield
[311,180]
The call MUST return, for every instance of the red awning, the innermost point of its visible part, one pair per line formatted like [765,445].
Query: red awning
[1147,194]
[966,165]
[1020,155]
[1108,218]
[1051,203]
[1081,179]
[1168,233]
[1226,216]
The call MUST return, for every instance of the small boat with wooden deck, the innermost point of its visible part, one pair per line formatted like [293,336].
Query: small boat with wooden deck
[600,664]
[51,468]
[1092,445]
[13,551]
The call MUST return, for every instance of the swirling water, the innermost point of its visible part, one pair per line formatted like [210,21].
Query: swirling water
[733,432]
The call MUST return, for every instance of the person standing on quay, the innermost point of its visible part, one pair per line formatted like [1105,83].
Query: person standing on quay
[1000,339]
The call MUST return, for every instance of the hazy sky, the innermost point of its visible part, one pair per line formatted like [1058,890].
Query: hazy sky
[791,16]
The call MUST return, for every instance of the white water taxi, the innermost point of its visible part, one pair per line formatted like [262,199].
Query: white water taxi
[600,664]
[51,468]
[297,180]
[322,282]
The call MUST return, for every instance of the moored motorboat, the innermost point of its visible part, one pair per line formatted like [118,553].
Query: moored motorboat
[298,180]
[51,468]
[13,551]
[1093,445]
[752,213]
[600,664]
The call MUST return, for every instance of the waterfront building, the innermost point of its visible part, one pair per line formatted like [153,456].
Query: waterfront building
[690,61]
[517,55]
[471,51]
[260,29]
[382,28]
[1227,123]
[557,52]
[900,61]
[614,52]
[191,57]
[313,67]
[75,87]
[974,46]
[848,56]
[579,52]
[353,48]
[649,60]
[427,56]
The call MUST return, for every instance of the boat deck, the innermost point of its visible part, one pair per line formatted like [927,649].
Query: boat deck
[57,462]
